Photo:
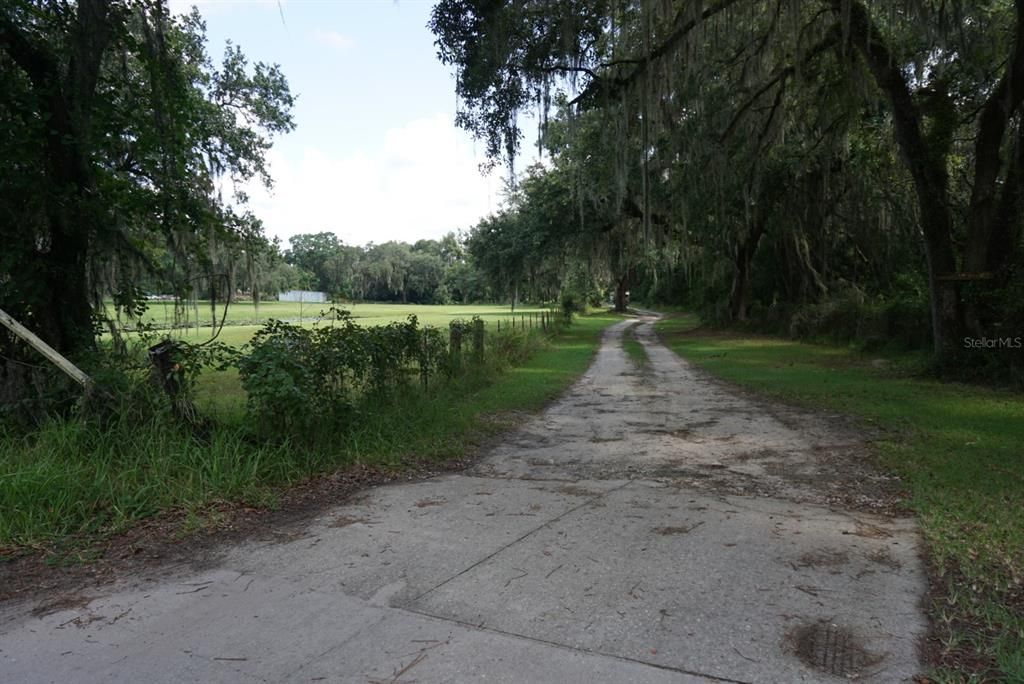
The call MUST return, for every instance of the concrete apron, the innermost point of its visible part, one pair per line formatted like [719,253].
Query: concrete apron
[651,526]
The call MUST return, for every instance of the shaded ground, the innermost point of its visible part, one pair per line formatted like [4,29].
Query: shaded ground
[651,526]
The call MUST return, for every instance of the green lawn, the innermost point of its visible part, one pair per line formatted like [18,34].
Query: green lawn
[73,481]
[243,318]
[958,448]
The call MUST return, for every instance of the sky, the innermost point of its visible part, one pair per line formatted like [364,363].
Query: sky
[375,155]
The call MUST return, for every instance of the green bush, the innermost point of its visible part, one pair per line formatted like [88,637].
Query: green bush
[571,305]
[902,322]
[297,378]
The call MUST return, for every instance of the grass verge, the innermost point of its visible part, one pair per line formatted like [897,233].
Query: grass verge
[958,449]
[634,350]
[73,481]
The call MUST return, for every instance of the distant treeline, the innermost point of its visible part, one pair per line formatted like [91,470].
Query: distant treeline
[459,268]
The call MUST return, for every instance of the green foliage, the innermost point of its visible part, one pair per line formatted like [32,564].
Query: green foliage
[309,382]
[75,479]
[427,272]
[540,247]
[571,305]
[297,378]
[767,160]
[119,130]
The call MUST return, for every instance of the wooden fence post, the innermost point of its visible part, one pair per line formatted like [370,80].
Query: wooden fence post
[478,339]
[423,359]
[455,344]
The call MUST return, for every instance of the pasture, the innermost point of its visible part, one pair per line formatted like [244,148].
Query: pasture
[243,319]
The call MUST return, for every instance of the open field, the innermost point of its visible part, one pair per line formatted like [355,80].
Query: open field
[221,393]
[958,450]
[243,318]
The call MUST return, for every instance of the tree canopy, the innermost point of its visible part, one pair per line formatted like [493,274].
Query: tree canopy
[768,155]
[127,147]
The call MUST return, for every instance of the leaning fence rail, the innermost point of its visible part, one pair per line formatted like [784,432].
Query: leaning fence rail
[73,371]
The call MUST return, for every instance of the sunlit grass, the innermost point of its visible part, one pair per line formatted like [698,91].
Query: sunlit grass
[244,319]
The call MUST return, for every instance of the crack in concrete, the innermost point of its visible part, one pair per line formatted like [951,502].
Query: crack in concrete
[519,539]
[576,649]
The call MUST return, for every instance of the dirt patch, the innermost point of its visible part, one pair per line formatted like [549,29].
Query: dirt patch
[573,490]
[346,520]
[436,501]
[869,531]
[758,454]
[823,558]
[799,471]
[66,601]
[830,648]
[884,557]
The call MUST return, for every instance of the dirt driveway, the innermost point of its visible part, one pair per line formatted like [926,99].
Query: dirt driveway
[650,526]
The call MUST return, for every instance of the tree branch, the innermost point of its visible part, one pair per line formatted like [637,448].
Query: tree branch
[831,38]
[565,69]
[682,28]
[1004,100]
[780,76]
[929,174]
[37,64]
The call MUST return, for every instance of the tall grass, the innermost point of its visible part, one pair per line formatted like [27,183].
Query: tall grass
[77,478]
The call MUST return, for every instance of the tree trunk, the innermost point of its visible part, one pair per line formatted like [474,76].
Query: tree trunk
[948,325]
[65,101]
[739,297]
[927,166]
[66,321]
[621,290]
[985,227]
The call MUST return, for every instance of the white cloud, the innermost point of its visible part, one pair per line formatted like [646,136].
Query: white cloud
[333,39]
[421,181]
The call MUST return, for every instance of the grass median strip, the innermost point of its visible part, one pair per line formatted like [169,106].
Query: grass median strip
[634,350]
[72,480]
[958,449]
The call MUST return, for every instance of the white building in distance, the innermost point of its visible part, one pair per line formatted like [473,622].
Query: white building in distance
[303,296]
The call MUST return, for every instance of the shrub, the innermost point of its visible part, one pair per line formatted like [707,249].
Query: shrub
[903,322]
[571,304]
[299,380]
